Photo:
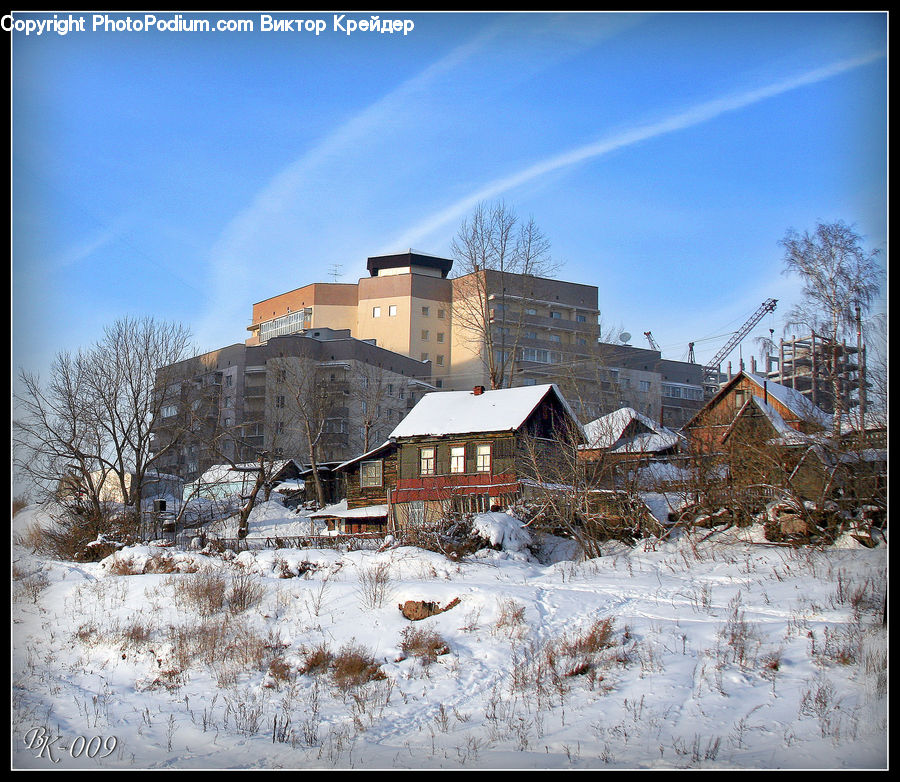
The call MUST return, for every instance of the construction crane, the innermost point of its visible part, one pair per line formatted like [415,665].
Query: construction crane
[712,370]
[652,341]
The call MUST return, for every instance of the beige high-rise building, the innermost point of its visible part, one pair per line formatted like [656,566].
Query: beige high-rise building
[404,305]
[408,304]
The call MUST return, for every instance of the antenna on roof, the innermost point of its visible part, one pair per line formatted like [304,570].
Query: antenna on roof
[624,337]
[335,271]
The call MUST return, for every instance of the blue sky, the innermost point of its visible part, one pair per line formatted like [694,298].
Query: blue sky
[188,175]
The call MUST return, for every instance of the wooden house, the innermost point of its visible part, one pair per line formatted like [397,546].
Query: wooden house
[365,483]
[707,430]
[624,441]
[468,450]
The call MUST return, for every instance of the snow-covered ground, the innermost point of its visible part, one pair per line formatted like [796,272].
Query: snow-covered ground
[708,650]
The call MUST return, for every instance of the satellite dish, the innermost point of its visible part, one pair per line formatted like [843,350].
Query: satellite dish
[624,336]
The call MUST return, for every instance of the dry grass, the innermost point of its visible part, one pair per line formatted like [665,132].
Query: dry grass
[354,666]
[511,617]
[244,592]
[204,592]
[137,633]
[374,585]
[427,645]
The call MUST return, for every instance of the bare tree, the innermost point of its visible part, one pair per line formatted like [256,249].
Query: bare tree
[585,494]
[840,278]
[309,404]
[497,260]
[129,363]
[371,392]
[96,414]
[56,443]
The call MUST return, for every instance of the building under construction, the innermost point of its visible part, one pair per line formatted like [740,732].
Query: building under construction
[810,364]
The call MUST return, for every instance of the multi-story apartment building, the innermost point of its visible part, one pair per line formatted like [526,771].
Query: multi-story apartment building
[670,392]
[542,330]
[408,326]
[243,400]
[404,306]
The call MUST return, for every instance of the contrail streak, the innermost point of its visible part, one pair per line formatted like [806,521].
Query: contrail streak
[695,115]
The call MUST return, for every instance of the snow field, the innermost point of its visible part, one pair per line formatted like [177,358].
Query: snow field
[706,651]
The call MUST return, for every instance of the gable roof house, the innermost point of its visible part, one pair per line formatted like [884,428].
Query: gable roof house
[625,440]
[707,430]
[467,450]
[772,435]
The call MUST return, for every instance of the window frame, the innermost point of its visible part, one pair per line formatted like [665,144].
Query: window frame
[480,464]
[427,464]
[457,459]
[374,480]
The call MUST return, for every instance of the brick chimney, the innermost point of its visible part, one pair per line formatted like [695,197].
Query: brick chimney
[478,390]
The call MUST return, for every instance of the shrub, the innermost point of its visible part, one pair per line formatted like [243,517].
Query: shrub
[317,659]
[79,536]
[203,591]
[353,666]
[244,592]
[425,644]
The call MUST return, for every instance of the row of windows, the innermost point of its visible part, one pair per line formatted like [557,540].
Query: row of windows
[428,459]
[682,392]
[553,314]
[286,324]
[392,311]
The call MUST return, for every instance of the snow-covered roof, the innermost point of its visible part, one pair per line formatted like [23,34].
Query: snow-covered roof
[793,400]
[227,473]
[367,455]
[854,421]
[340,511]
[463,412]
[606,431]
[786,434]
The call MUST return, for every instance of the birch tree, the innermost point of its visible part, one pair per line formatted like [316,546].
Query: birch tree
[840,278]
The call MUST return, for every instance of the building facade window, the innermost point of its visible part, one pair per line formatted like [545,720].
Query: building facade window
[169,410]
[392,310]
[440,314]
[458,459]
[439,360]
[424,335]
[376,312]
[425,311]
[440,336]
[426,461]
[483,458]
[644,385]
[371,473]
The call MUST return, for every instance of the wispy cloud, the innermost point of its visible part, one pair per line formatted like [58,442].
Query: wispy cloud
[696,115]
[251,230]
